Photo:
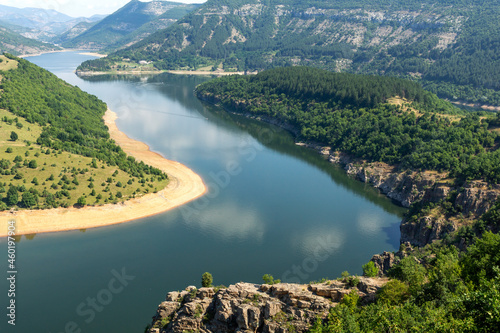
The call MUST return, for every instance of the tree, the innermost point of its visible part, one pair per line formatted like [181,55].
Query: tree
[206,280]
[28,200]
[13,136]
[81,201]
[33,164]
[12,196]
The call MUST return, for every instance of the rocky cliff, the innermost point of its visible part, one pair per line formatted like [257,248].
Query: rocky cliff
[246,307]
[471,199]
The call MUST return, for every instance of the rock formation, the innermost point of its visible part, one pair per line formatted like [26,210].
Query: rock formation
[247,307]
[472,199]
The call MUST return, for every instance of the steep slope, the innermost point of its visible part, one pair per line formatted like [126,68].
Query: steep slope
[73,32]
[452,46]
[131,23]
[14,43]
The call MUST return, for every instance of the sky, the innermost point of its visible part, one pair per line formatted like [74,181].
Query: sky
[77,8]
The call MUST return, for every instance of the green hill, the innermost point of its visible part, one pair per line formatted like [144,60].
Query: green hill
[451,46]
[129,24]
[56,150]
[357,114]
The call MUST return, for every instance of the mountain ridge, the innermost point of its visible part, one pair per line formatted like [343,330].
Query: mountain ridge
[38,23]
[450,46]
[129,24]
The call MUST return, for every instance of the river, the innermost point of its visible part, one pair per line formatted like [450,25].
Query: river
[272,208]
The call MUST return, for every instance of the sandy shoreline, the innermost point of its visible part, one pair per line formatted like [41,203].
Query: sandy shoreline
[184,186]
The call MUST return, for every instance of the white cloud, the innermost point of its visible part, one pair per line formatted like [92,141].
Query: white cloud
[369,223]
[319,241]
[227,220]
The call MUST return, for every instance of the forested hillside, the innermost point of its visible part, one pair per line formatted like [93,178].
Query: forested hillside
[129,24]
[42,117]
[355,114]
[450,46]
[14,43]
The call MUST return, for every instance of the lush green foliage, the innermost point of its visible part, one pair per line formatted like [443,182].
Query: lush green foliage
[206,280]
[72,119]
[352,113]
[46,110]
[269,279]
[370,270]
[444,294]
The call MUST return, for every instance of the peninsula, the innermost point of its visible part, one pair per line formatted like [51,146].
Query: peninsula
[161,184]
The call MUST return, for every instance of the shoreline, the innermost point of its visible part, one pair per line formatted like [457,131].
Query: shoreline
[184,186]
[156,72]
[85,52]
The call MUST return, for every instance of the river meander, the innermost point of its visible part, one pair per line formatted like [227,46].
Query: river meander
[272,207]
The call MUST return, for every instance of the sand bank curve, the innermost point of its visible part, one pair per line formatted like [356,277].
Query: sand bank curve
[184,186]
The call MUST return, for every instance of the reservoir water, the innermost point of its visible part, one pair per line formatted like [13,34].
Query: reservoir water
[272,208]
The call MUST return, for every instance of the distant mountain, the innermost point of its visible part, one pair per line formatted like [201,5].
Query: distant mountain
[40,24]
[451,46]
[73,32]
[131,23]
[14,43]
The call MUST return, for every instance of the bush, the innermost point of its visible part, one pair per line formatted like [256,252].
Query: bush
[394,292]
[28,200]
[370,270]
[351,300]
[268,279]
[81,201]
[206,280]
[481,258]
[13,136]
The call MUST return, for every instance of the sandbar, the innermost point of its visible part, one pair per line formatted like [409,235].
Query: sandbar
[184,186]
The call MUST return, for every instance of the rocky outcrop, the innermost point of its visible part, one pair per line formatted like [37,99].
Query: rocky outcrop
[246,307]
[472,199]
[386,260]
[403,186]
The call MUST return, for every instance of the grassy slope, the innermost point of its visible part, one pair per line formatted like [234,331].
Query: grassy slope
[60,164]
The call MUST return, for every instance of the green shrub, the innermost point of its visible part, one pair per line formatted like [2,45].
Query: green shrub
[370,270]
[206,280]
[394,292]
[268,279]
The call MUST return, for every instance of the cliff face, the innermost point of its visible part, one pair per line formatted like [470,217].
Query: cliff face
[246,307]
[473,199]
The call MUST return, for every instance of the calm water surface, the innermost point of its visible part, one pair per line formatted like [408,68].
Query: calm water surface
[272,208]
